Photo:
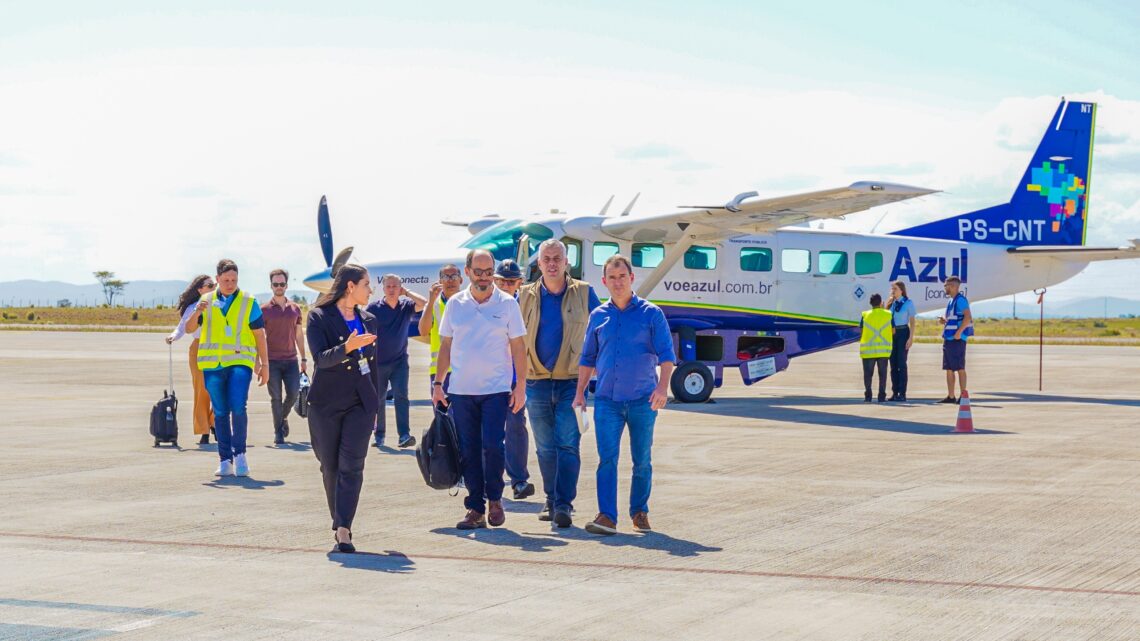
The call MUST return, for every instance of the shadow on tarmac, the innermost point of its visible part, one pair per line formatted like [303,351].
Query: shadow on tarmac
[652,540]
[774,409]
[390,562]
[303,446]
[503,537]
[407,451]
[243,482]
[1021,397]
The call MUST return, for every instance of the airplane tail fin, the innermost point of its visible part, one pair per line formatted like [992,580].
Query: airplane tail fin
[1050,204]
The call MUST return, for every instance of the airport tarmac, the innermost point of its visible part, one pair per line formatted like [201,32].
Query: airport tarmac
[788,510]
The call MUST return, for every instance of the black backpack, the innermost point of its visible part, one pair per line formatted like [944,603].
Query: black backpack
[438,453]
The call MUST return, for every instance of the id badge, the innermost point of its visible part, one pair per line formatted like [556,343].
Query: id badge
[229,332]
[365,370]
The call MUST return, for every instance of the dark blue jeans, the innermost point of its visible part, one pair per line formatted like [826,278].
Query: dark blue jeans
[287,374]
[518,447]
[898,360]
[479,421]
[229,390]
[557,440]
[394,373]
[610,419]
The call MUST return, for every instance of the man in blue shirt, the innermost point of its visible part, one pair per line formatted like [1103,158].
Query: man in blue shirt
[959,325]
[627,338]
[394,314]
[556,310]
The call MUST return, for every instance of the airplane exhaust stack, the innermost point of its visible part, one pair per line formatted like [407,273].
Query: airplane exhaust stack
[965,424]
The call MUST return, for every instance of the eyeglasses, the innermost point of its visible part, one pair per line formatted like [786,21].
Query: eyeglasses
[279,284]
[449,277]
[483,272]
[508,281]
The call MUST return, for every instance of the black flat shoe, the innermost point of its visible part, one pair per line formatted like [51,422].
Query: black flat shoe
[344,548]
[205,440]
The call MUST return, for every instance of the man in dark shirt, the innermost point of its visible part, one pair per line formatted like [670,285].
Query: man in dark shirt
[286,340]
[394,314]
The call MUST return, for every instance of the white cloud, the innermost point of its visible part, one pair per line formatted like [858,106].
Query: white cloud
[156,163]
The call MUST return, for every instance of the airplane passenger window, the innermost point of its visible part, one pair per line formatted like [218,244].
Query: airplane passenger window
[868,263]
[700,258]
[832,262]
[602,251]
[755,259]
[647,255]
[795,261]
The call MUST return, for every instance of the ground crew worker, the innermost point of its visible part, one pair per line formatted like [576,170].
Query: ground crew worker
[203,414]
[232,349]
[959,326]
[508,278]
[286,341]
[450,280]
[875,346]
[903,319]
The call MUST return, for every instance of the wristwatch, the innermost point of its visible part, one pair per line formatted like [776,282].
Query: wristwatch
[437,383]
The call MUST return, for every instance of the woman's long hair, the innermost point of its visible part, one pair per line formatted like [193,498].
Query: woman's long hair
[350,273]
[191,295]
[902,287]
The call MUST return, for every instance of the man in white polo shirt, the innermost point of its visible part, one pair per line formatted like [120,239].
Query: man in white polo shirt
[481,342]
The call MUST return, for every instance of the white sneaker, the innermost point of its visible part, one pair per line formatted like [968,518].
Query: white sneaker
[225,468]
[242,466]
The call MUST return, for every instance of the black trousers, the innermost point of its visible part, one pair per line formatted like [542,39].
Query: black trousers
[898,359]
[340,441]
[869,367]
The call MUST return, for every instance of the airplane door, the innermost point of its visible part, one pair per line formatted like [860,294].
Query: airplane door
[839,296]
[795,283]
[573,256]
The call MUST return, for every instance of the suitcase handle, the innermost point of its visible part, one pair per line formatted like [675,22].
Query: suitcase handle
[170,353]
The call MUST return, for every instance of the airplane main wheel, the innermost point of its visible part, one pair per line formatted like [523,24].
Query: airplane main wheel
[692,382]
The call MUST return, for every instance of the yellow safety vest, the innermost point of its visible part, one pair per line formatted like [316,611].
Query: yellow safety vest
[434,334]
[878,335]
[226,339]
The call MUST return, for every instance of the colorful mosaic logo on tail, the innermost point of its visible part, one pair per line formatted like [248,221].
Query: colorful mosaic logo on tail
[1064,191]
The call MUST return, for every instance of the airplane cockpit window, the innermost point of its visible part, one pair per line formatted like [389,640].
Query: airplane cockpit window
[755,259]
[795,261]
[602,251]
[501,239]
[832,262]
[648,255]
[868,263]
[698,257]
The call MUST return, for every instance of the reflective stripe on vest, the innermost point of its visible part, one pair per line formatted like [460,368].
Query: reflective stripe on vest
[215,348]
[877,338]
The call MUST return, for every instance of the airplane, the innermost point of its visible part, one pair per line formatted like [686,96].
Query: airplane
[744,288]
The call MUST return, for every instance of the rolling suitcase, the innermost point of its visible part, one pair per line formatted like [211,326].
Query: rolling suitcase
[164,414]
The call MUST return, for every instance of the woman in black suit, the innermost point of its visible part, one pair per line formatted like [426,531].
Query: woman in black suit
[343,400]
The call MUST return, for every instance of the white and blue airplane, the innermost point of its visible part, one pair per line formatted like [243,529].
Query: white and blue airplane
[743,287]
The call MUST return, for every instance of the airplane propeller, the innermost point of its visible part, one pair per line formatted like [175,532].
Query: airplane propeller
[324,231]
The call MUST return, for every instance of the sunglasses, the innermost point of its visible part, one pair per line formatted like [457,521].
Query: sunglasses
[209,285]
[483,272]
[278,284]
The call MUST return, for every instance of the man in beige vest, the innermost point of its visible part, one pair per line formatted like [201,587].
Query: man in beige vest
[556,310]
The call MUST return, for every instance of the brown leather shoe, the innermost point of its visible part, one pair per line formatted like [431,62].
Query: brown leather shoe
[472,521]
[495,515]
[641,522]
[601,525]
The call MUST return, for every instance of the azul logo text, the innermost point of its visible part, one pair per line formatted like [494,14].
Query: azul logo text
[928,269]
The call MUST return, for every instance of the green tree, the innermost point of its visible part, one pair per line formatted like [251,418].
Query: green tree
[112,286]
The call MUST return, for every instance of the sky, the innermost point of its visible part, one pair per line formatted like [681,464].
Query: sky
[151,139]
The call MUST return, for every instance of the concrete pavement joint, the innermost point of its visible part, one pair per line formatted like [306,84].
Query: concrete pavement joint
[601,566]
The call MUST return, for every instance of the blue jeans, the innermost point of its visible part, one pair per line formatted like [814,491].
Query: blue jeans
[229,389]
[610,419]
[395,374]
[550,406]
[518,447]
[479,421]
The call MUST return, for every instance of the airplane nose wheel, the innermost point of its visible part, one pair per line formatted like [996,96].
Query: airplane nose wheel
[692,382]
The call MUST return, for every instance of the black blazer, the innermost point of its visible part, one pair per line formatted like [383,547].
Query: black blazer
[337,382]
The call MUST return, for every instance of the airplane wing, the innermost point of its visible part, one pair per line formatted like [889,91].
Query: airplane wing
[1081,254]
[759,216]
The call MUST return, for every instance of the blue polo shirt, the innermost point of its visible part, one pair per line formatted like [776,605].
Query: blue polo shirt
[392,338]
[625,347]
[548,339]
[902,310]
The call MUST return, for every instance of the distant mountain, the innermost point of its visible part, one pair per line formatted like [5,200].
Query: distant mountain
[142,293]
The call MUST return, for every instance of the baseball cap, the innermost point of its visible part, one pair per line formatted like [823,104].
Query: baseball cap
[508,269]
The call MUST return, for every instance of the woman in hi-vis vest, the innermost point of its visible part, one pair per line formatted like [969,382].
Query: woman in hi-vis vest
[203,413]
[343,399]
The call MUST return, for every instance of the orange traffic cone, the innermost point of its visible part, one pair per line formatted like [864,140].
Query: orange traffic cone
[965,424]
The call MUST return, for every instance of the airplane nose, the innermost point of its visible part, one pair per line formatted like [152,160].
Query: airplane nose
[320,281]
